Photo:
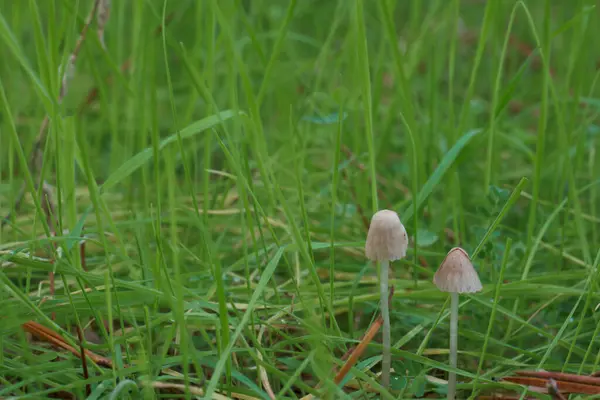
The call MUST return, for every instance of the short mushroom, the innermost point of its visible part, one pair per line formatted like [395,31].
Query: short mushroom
[386,241]
[456,275]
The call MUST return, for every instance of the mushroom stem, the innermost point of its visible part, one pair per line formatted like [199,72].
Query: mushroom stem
[386,359]
[453,344]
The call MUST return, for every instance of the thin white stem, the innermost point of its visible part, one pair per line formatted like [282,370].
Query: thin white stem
[453,344]
[386,361]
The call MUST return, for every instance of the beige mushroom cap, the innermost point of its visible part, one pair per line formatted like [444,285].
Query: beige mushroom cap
[387,239]
[456,273]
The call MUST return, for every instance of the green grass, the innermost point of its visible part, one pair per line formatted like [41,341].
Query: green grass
[222,182]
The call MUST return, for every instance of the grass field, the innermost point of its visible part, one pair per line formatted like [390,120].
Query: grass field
[210,169]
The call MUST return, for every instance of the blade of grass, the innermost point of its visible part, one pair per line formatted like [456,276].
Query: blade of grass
[224,356]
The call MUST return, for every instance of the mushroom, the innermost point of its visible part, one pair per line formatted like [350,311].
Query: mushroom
[386,241]
[456,275]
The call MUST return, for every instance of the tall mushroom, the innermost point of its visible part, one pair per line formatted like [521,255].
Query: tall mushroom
[386,241]
[456,275]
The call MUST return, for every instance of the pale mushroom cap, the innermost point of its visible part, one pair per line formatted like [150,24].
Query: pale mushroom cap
[387,239]
[456,273]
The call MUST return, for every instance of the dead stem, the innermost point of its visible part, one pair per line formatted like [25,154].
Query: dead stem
[102,18]
[57,340]
[554,391]
[86,376]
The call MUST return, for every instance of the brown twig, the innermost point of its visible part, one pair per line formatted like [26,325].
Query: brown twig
[360,348]
[354,354]
[347,354]
[564,386]
[82,255]
[86,375]
[56,339]
[561,376]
